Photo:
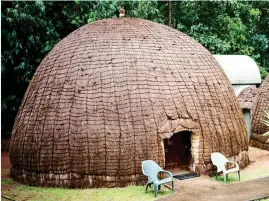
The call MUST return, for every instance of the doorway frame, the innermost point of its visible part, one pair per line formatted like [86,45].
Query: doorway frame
[195,144]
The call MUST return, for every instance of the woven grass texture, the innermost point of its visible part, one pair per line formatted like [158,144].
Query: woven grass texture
[246,97]
[107,96]
[258,127]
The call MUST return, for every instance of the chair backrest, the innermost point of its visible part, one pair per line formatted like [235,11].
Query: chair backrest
[151,169]
[218,159]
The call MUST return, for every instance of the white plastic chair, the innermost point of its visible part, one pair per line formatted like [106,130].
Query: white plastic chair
[151,170]
[219,161]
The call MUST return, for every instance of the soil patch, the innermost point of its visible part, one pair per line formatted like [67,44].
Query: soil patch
[5,160]
[5,165]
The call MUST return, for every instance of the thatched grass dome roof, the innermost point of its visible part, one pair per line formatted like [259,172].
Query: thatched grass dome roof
[106,97]
[246,97]
[260,105]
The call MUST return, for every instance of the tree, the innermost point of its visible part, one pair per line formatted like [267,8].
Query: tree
[25,34]
[169,13]
[29,32]
[228,27]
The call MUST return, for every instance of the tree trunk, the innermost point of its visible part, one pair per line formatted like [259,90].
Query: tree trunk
[169,17]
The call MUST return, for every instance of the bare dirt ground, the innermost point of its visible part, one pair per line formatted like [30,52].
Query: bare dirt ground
[204,189]
[5,166]
[4,162]
[257,158]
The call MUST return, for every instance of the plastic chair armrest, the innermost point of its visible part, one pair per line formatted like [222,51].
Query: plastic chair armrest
[169,173]
[236,165]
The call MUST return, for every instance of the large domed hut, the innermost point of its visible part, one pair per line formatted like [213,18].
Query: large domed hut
[119,91]
[258,127]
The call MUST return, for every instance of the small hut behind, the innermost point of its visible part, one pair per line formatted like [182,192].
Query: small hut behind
[119,91]
[246,98]
[241,70]
[258,127]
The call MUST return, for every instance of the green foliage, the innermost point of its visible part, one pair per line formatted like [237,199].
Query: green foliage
[29,32]
[139,9]
[31,29]
[229,27]
[143,9]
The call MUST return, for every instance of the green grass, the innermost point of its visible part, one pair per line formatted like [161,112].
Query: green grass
[130,193]
[6,181]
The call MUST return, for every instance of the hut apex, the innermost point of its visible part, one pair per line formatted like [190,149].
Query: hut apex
[122,12]
[119,91]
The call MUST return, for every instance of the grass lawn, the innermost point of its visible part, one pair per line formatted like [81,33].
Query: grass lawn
[130,193]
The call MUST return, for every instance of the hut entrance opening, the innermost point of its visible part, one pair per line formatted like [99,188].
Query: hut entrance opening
[247,117]
[178,151]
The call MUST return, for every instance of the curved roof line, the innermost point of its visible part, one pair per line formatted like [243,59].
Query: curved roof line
[240,69]
[246,97]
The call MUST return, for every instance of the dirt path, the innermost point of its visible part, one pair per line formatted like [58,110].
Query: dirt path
[248,190]
[258,158]
[204,188]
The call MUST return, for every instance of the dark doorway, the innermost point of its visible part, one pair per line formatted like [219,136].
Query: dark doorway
[178,151]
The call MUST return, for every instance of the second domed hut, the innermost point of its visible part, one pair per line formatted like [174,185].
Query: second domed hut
[258,127]
[246,98]
[119,91]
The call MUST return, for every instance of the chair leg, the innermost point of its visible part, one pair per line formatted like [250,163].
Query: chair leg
[239,174]
[159,187]
[172,185]
[225,176]
[216,174]
[146,188]
[155,190]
